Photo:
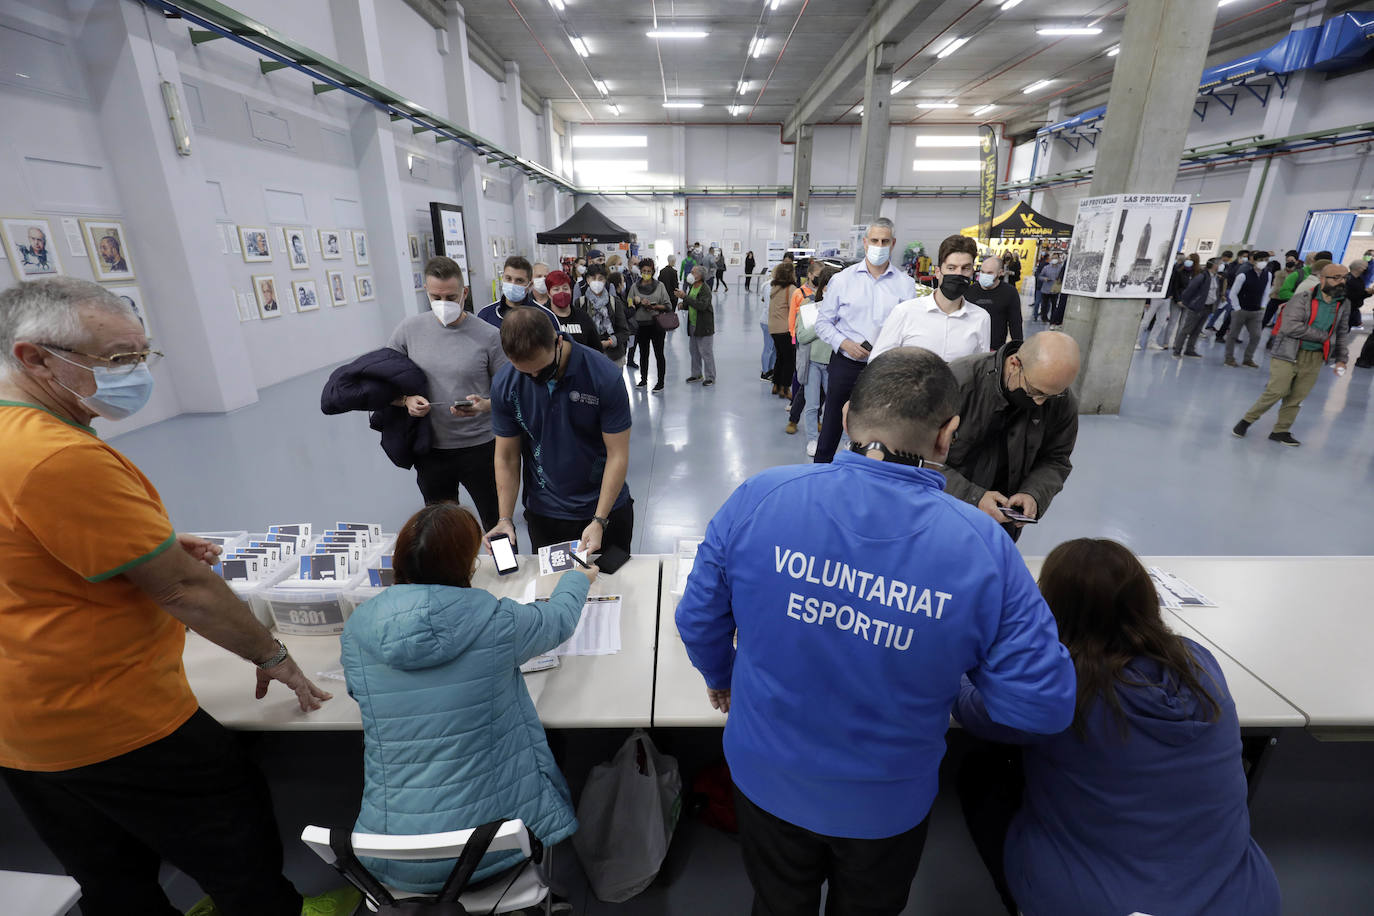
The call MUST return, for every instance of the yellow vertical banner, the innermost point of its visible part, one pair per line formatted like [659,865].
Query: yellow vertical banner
[987,139]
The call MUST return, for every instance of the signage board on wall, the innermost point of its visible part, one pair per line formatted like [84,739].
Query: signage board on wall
[1123,245]
[449,238]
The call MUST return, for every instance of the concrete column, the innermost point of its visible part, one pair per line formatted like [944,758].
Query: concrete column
[519,181]
[469,164]
[801,177]
[166,203]
[1149,112]
[876,130]
[379,173]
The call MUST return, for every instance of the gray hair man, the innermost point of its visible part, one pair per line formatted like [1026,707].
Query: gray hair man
[99,726]
[857,303]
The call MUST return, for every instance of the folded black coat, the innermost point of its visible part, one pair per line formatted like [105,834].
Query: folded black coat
[371,382]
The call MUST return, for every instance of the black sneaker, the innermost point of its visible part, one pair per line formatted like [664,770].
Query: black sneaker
[693,378]
[643,383]
[659,385]
[1192,353]
[1284,439]
[709,381]
[766,376]
[1240,429]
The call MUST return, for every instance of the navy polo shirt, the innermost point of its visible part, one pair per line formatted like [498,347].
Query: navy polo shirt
[560,428]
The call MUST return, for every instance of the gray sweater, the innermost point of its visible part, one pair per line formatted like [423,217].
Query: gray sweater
[458,360]
[647,305]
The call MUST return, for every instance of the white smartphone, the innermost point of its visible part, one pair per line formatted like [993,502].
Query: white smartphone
[503,552]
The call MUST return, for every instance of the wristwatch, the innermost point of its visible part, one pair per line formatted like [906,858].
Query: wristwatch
[605,522]
[275,659]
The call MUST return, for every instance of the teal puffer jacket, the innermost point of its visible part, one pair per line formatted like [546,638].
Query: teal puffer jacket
[450,736]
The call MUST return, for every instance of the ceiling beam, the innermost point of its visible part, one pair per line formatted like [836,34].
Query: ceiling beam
[842,71]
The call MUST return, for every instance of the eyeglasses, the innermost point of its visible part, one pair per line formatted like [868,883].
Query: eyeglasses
[1032,390]
[117,363]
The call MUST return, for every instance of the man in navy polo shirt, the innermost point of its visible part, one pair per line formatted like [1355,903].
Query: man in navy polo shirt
[860,594]
[560,411]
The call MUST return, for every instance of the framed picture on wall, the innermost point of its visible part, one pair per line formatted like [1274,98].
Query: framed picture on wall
[360,254]
[429,244]
[134,297]
[1206,248]
[307,297]
[417,280]
[106,244]
[28,243]
[265,289]
[256,247]
[414,242]
[296,249]
[331,244]
[334,280]
[363,284]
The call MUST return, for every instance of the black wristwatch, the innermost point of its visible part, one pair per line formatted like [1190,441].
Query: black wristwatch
[605,522]
[275,659]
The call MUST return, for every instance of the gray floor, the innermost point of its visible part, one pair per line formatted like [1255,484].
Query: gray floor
[1165,477]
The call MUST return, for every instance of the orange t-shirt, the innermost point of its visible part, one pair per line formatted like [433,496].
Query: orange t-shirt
[90,666]
[799,296]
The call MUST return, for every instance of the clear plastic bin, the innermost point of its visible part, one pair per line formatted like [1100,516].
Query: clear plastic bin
[300,608]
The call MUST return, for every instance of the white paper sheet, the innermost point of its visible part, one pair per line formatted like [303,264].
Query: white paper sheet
[1174,593]
[598,632]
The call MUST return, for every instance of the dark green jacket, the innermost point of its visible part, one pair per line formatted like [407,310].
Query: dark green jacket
[706,313]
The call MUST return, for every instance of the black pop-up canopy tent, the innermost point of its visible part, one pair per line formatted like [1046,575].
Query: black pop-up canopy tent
[587,225]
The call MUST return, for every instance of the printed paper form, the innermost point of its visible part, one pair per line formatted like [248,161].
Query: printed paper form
[1174,593]
[598,630]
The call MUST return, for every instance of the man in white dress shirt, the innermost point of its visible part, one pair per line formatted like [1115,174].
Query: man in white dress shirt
[942,322]
[856,304]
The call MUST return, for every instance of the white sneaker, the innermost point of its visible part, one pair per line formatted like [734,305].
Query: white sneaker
[811,449]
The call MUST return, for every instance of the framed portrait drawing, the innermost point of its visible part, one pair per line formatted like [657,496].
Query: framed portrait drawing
[331,244]
[361,257]
[29,246]
[106,243]
[134,298]
[265,289]
[256,247]
[429,244]
[306,296]
[297,251]
[414,241]
[1206,248]
[333,279]
[417,279]
[363,283]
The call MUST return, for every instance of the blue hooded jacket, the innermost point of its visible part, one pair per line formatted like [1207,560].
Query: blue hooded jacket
[1154,821]
[450,736]
[862,593]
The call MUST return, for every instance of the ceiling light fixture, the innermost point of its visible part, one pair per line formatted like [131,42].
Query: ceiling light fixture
[600,87]
[899,86]
[676,33]
[1068,30]
[947,140]
[1008,4]
[947,165]
[859,111]
[982,111]
[556,4]
[756,46]
[579,45]
[1036,86]
[937,104]
[735,110]
[776,4]
[609,141]
[615,109]
[950,47]
[743,87]
[681,104]
[1114,50]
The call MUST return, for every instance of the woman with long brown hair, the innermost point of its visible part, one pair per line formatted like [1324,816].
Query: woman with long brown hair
[781,288]
[1140,806]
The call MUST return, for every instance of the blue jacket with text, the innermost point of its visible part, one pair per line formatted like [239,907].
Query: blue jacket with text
[860,594]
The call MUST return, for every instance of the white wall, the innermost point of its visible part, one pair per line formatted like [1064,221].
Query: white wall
[411,63]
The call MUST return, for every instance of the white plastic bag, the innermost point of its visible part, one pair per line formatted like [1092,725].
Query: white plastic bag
[626,818]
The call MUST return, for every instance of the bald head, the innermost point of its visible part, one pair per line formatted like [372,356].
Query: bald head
[1050,360]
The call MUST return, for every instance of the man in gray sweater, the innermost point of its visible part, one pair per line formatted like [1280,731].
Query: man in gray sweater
[459,354]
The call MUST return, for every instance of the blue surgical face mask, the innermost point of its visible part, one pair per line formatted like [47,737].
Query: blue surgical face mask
[878,255]
[513,292]
[117,394]
[987,281]
[1188,263]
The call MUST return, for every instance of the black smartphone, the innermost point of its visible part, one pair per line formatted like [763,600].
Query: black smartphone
[503,552]
[867,346]
[611,559]
[1015,516]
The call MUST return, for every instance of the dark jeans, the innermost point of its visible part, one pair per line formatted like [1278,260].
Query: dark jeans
[1061,300]
[786,366]
[991,780]
[440,472]
[651,333]
[546,530]
[1185,341]
[843,373]
[787,864]
[720,279]
[1366,359]
[192,798]
[747,278]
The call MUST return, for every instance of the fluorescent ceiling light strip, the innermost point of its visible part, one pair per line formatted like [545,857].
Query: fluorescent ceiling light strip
[899,86]
[1008,4]
[609,141]
[676,33]
[608,165]
[937,104]
[615,109]
[947,140]
[1114,50]
[951,46]
[1035,87]
[982,111]
[579,45]
[756,49]
[681,104]
[600,87]
[1069,30]
[947,165]
[556,4]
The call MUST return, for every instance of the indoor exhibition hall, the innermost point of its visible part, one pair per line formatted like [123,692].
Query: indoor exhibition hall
[774,457]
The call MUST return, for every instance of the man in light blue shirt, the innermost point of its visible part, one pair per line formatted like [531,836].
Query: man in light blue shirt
[857,302]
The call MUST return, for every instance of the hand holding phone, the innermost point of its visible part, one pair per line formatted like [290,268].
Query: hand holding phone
[1015,515]
[503,552]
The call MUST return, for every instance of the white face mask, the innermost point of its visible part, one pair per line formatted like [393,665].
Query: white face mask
[447,312]
[581,269]
[878,255]
[540,286]
[596,286]
[987,280]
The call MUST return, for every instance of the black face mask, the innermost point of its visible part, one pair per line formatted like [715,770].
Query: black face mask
[1292,264]
[1020,400]
[545,375]
[952,286]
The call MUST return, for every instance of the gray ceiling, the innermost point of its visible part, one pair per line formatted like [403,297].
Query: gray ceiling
[1004,54]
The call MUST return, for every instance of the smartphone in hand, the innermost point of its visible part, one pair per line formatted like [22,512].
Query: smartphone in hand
[1013,515]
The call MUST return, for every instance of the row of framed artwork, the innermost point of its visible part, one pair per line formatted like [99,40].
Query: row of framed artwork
[29,245]
[305,295]
[256,243]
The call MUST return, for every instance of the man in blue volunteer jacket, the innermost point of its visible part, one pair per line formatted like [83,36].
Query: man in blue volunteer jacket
[860,594]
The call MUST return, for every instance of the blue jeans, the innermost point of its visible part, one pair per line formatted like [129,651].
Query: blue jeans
[817,380]
[770,352]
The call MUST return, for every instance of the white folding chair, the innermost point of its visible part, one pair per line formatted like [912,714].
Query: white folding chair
[529,887]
